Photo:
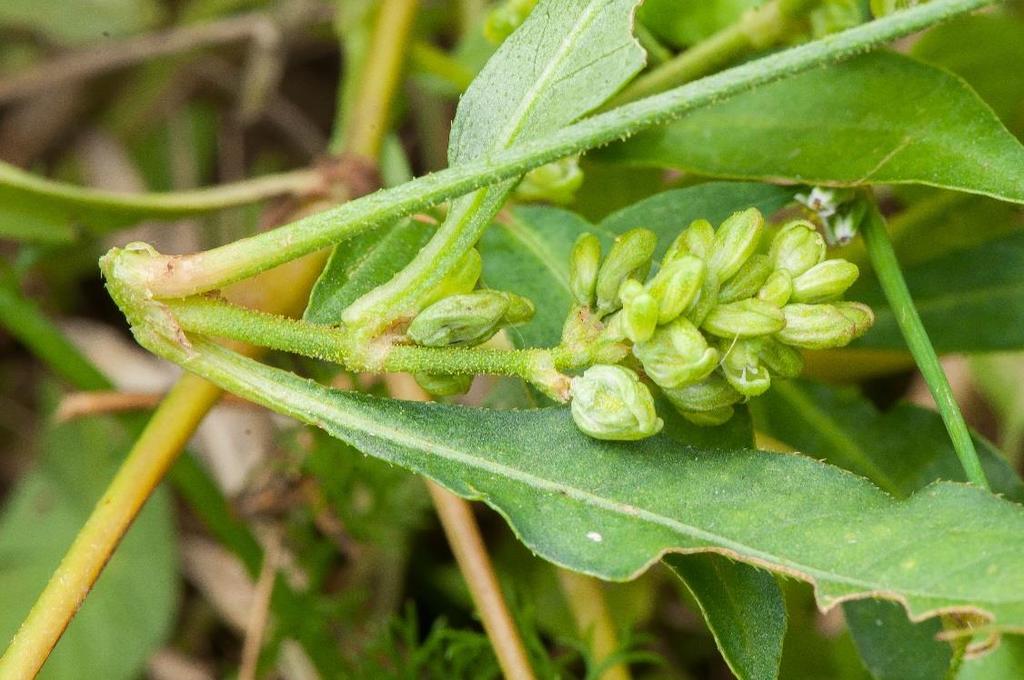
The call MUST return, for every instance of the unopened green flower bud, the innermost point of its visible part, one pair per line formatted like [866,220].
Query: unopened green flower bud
[706,299]
[676,286]
[825,281]
[708,402]
[735,241]
[584,263]
[698,240]
[777,288]
[468,319]
[825,325]
[630,257]
[797,248]
[742,367]
[443,385]
[520,310]
[461,280]
[553,183]
[748,280]
[610,402]
[640,316]
[676,354]
[782,360]
[744,319]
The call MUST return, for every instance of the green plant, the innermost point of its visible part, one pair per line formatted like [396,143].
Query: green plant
[649,353]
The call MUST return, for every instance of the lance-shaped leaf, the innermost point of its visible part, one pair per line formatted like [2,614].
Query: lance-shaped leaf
[565,60]
[879,118]
[970,300]
[611,509]
[744,609]
[902,450]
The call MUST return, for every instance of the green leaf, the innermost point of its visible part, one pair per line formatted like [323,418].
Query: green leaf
[978,48]
[902,450]
[129,613]
[1006,662]
[565,60]
[969,301]
[878,118]
[360,265]
[744,609]
[619,506]
[527,252]
[669,212]
[891,647]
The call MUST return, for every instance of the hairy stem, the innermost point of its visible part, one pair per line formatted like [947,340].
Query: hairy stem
[219,319]
[756,29]
[165,276]
[890,276]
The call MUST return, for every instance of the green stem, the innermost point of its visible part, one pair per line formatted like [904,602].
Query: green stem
[756,30]
[890,276]
[164,276]
[161,205]
[215,318]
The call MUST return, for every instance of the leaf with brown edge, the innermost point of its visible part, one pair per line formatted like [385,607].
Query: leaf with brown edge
[612,509]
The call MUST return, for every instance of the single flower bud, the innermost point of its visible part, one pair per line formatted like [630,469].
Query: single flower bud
[747,281]
[461,280]
[676,354]
[744,319]
[825,325]
[584,263]
[468,319]
[797,248]
[735,241]
[706,299]
[630,257]
[676,286]
[520,310]
[640,316]
[782,360]
[552,183]
[698,240]
[825,281]
[777,288]
[708,402]
[742,367]
[609,402]
[440,385]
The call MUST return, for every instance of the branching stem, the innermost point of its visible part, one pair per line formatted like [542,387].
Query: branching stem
[170,277]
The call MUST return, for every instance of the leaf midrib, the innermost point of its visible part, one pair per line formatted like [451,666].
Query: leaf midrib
[356,420]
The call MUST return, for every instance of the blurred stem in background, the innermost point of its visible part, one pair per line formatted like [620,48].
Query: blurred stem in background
[283,290]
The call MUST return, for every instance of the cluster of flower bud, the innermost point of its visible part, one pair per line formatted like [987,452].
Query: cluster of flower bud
[457,314]
[725,311]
